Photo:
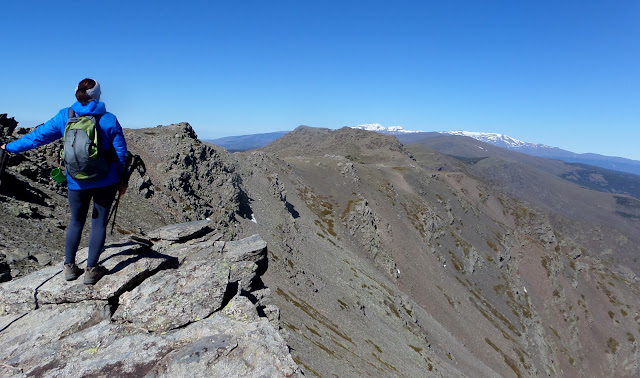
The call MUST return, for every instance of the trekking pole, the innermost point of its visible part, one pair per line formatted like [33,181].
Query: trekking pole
[114,212]
[132,162]
[4,156]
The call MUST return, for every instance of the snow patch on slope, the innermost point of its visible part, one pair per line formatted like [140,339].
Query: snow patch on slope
[384,129]
[499,140]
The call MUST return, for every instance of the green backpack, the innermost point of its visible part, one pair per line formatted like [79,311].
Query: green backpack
[83,156]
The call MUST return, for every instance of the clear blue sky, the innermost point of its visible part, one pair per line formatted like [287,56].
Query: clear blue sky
[562,73]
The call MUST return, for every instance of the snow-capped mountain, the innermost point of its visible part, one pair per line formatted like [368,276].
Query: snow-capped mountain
[499,140]
[391,130]
[541,150]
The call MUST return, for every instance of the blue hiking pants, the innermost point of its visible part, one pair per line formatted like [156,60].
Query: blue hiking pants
[79,201]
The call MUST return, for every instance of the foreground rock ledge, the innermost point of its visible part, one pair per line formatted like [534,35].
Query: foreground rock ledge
[177,306]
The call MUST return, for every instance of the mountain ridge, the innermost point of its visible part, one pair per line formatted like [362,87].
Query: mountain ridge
[541,150]
[423,219]
[383,258]
[621,164]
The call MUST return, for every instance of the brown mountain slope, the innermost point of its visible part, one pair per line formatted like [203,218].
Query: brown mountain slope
[386,263]
[613,217]
[357,145]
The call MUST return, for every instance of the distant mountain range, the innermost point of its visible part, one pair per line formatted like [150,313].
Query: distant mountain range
[500,140]
[248,142]
[541,150]
[484,157]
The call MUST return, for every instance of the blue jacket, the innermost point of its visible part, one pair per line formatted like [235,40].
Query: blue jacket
[110,133]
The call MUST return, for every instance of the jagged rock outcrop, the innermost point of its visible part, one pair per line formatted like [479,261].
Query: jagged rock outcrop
[7,125]
[183,304]
[365,226]
[185,180]
[30,201]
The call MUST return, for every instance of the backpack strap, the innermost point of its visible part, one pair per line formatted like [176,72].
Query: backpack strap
[72,114]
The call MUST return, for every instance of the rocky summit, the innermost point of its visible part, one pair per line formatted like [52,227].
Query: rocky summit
[185,304]
[326,253]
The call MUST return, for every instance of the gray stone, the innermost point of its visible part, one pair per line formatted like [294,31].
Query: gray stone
[252,249]
[182,231]
[7,320]
[243,272]
[229,348]
[217,346]
[18,296]
[103,350]
[273,314]
[182,250]
[43,258]
[37,329]
[127,267]
[170,318]
[262,295]
[240,308]
[172,299]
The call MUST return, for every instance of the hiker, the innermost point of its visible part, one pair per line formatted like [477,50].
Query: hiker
[100,187]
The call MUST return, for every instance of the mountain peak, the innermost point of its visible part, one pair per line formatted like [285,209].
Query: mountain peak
[496,139]
[392,130]
[310,141]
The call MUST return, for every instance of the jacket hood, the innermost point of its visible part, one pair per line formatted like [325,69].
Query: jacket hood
[93,108]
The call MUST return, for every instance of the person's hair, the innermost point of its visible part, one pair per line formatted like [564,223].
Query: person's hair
[81,92]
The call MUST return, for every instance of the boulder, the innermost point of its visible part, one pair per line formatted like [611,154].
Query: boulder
[127,268]
[218,346]
[128,264]
[179,306]
[252,249]
[243,273]
[36,329]
[172,299]
[181,232]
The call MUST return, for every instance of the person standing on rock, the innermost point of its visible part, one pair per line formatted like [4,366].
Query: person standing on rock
[81,192]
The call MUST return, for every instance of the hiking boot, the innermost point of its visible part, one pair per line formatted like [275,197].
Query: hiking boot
[71,272]
[93,274]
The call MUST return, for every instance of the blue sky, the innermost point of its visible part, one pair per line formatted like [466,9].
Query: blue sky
[562,73]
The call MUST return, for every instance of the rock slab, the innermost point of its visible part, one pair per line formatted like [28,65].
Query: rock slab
[180,307]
